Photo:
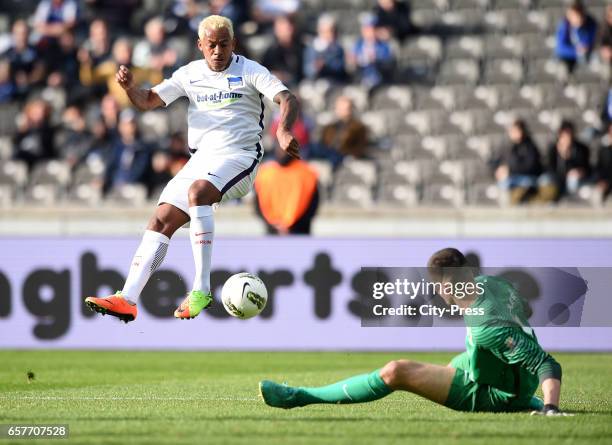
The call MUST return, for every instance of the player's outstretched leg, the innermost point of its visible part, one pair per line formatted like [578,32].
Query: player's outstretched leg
[358,389]
[148,257]
[202,194]
[430,381]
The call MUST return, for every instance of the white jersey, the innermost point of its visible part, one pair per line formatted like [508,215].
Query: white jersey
[226,108]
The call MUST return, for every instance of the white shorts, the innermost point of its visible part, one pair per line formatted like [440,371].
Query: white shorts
[232,174]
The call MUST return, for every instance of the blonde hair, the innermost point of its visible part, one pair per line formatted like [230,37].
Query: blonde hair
[213,22]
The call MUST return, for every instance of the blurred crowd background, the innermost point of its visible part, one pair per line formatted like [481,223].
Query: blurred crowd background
[403,103]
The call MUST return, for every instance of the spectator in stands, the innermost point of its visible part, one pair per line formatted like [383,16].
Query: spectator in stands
[371,56]
[105,72]
[606,37]
[154,52]
[568,165]
[74,140]
[160,172]
[116,13]
[97,48]
[519,166]
[393,19]
[185,15]
[324,57]
[104,129]
[178,153]
[7,87]
[576,36]
[287,195]
[109,110]
[606,110]
[63,70]
[130,157]
[346,136]
[27,69]
[235,10]
[165,164]
[285,56]
[34,141]
[603,170]
[266,11]
[52,19]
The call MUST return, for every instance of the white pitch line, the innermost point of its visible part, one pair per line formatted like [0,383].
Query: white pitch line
[206,399]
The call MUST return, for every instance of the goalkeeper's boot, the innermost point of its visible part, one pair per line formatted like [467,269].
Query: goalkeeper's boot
[193,304]
[116,305]
[278,396]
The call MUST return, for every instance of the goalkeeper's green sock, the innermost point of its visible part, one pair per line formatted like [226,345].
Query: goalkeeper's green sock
[358,389]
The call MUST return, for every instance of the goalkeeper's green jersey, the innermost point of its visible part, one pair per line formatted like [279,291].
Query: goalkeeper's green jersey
[502,348]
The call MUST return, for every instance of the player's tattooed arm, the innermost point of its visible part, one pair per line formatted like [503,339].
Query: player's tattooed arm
[142,99]
[288,115]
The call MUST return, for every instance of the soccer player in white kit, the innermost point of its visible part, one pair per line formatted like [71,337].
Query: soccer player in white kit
[225,126]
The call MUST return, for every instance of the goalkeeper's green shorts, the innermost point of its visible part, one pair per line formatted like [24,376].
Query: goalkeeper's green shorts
[466,395]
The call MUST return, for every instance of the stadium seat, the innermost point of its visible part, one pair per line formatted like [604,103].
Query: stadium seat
[357,171]
[404,172]
[6,147]
[438,5]
[462,21]
[417,72]
[128,195]
[43,194]
[14,174]
[91,171]
[545,71]
[153,125]
[533,49]
[393,98]
[425,19]
[443,194]
[7,196]
[456,5]
[313,94]
[398,195]
[458,72]
[324,171]
[484,194]
[464,47]
[183,47]
[596,71]
[352,195]
[377,122]
[85,194]
[514,4]
[422,47]
[503,71]
[483,145]
[8,114]
[52,172]
[258,44]
[503,47]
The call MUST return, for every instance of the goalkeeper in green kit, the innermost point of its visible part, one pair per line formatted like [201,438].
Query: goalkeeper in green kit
[500,371]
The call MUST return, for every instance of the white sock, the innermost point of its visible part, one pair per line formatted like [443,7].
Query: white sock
[201,233]
[147,259]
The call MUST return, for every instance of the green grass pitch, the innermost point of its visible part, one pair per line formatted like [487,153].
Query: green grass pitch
[212,397]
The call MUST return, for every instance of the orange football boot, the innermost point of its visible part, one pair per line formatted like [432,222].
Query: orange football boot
[115,305]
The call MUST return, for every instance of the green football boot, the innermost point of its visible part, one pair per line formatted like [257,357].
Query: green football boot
[193,304]
[278,396]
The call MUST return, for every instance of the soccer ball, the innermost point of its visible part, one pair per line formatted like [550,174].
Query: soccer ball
[244,295]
